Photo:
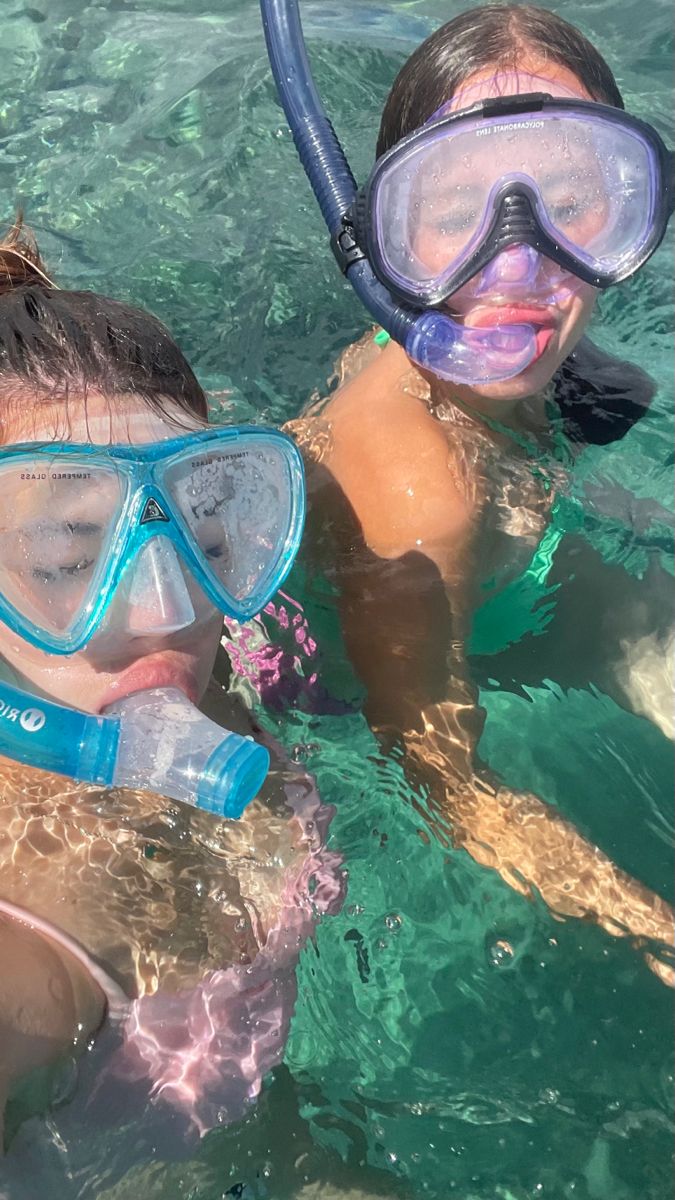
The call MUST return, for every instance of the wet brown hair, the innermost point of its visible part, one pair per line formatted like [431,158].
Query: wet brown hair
[491,35]
[56,343]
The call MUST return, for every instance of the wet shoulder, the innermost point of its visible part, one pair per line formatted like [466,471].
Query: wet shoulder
[377,444]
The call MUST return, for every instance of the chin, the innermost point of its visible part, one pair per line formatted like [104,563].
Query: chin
[532,381]
[498,400]
[506,393]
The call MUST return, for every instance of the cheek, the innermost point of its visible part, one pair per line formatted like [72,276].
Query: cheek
[463,299]
[205,645]
[436,250]
[427,249]
[31,668]
[580,311]
[210,636]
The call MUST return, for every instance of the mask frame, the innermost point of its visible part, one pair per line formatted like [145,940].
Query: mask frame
[517,216]
[150,510]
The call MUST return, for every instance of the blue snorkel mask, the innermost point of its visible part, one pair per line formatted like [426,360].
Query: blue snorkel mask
[114,542]
[517,197]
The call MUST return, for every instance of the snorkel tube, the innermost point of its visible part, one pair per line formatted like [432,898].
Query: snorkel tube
[430,337]
[153,741]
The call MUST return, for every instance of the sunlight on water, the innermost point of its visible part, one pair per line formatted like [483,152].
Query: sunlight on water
[451,1039]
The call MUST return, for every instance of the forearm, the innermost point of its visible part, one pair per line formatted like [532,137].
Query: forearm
[534,848]
[526,840]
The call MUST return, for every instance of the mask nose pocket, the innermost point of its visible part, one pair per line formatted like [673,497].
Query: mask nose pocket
[517,266]
[156,594]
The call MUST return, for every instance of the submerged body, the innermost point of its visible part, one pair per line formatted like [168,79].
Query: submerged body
[418,511]
[170,915]
[509,187]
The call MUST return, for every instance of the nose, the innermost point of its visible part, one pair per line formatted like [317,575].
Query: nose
[518,265]
[156,594]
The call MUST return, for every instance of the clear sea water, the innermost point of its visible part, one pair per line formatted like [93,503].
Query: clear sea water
[144,141]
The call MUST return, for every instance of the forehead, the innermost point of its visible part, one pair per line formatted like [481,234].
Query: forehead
[98,421]
[531,76]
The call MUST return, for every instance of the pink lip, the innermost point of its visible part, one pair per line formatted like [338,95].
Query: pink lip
[542,319]
[542,339]
[512,314]
[155,671]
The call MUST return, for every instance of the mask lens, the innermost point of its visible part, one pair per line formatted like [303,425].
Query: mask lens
[597,189]
[58,520]
[237,502]
[430,207]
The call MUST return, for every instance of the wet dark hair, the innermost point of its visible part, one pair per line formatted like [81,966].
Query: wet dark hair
[56,343]
[492,35]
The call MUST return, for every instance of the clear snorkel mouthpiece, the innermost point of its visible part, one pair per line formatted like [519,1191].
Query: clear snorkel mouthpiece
[166,745]
[466,355]
[154,741]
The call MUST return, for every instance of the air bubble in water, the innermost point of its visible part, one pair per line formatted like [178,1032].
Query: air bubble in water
[302,751]
[500,953]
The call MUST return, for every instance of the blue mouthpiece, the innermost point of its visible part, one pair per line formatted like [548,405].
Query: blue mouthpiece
[156,741]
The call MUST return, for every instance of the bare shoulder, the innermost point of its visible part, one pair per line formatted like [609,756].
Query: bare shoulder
[389,457]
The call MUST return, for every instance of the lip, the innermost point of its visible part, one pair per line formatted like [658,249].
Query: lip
[154,671]
[540,319]
[512,314]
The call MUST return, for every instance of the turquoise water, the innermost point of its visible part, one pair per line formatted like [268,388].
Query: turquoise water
[144,141]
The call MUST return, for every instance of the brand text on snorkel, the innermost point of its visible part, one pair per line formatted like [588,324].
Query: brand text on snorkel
[30,719]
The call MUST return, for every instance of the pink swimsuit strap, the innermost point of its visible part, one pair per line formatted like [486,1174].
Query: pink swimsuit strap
[118,1002]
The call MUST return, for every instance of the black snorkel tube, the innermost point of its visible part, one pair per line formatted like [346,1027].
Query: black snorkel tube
[429,336]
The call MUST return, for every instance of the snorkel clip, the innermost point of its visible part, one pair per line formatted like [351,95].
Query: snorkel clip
[343,243]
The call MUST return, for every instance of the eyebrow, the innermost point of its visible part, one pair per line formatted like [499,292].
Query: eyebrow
[560,177]
[45,525]
[83,528]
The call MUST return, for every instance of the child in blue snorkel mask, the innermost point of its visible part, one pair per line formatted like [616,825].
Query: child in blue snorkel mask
[493,209]
[128,528]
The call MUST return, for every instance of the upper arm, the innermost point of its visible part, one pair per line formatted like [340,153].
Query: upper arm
[392,463]
[393,526]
